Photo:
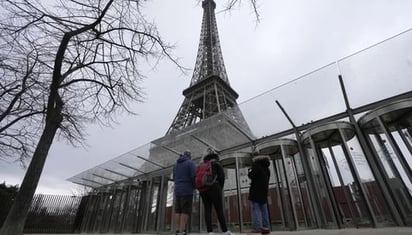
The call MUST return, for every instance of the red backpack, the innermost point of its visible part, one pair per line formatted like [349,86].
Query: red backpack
[204,176]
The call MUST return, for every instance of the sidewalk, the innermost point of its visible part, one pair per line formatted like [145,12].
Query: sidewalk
[350,231]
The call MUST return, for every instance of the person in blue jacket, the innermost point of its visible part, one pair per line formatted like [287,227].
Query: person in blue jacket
[184,173]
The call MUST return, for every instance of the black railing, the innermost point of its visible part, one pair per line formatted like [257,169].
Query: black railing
[54,214]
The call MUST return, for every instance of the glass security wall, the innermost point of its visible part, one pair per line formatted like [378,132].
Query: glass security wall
[349,173]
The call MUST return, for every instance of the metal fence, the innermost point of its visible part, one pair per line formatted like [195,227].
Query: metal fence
[54,214]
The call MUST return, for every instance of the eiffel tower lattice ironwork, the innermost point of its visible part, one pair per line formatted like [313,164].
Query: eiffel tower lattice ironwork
[209,92]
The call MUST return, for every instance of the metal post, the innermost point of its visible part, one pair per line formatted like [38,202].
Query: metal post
[239,193]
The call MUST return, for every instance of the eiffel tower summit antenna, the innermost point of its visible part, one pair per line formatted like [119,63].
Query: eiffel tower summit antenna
[209,92]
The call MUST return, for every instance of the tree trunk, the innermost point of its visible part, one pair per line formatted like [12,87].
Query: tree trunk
[14,224]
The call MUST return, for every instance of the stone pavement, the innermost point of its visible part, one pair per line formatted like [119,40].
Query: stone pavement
[350,231]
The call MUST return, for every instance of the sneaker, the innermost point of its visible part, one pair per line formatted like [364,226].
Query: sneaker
[256,231]
[211,233]
[265,231]
[228,233]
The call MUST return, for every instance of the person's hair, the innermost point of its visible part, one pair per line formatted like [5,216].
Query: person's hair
[210,151]
[187,153]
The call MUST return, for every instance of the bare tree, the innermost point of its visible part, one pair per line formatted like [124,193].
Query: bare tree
[21,95]
[231,4]
[63,66]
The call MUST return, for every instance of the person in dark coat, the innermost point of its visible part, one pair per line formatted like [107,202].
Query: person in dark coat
[259,175]
[184,173]
[213,196]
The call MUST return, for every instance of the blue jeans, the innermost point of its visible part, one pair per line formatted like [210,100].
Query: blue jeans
[260,215]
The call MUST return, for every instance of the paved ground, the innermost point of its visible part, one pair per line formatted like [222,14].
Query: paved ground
[362,231]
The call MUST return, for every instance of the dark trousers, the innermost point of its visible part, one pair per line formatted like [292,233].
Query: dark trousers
[214,197]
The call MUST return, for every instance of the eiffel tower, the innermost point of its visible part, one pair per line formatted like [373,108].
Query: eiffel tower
[209,92]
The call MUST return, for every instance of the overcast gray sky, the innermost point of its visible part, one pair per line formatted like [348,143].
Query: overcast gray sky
[293,38]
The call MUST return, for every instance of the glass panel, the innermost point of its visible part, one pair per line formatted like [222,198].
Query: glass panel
[169,206]
[295,191]
[352,207]
[107,203]
[102,206]
[321,189]
[314,87]
[383,154]
[271,122]
[288,211]
[306,210]
[132,209]
[342,180]
[394,163]
[231,204]
[89,215]
[144,205]
[116,215]
[398,181]
[275,202]
[196,216]
[245,203]
[154,204]
[333,169]
[368,181]
[384,69]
